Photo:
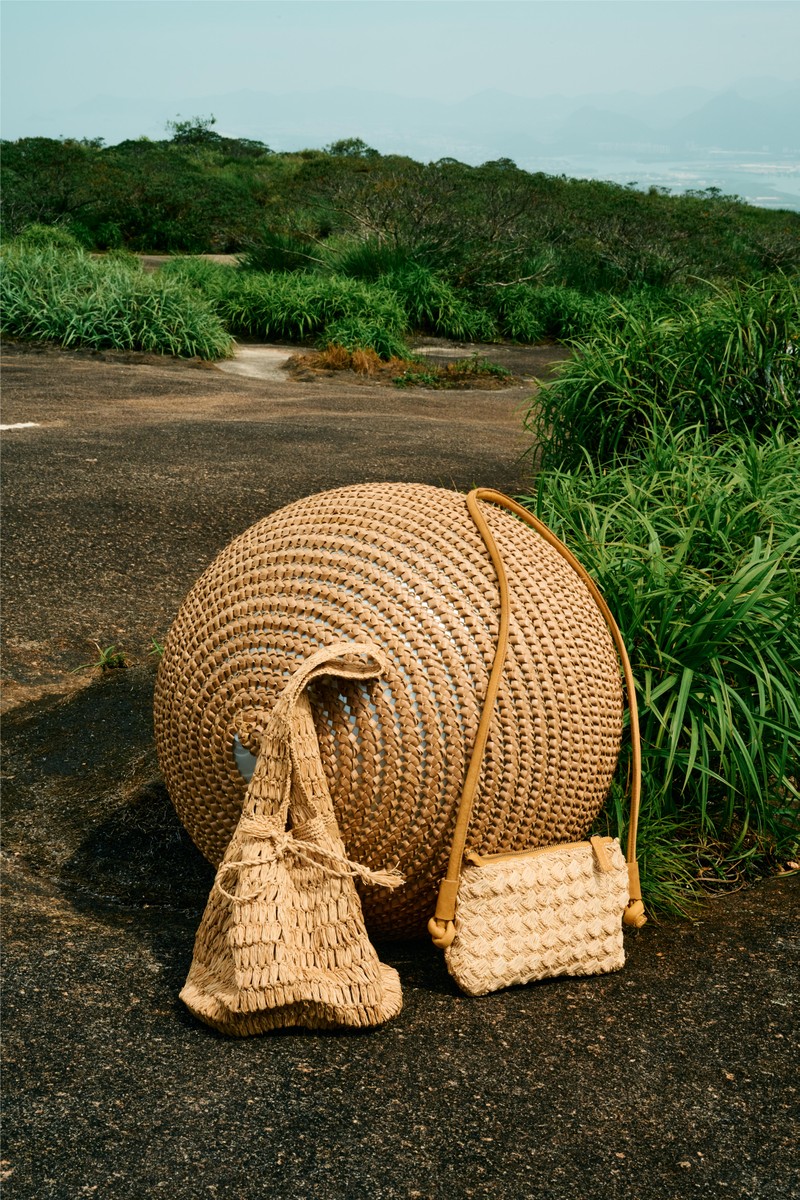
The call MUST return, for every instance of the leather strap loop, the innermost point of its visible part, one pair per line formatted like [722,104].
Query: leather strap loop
[441,926]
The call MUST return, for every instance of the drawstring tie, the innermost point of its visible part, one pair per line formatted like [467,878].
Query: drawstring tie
[300,842]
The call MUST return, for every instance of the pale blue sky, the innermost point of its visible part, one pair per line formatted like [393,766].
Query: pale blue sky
[60,53]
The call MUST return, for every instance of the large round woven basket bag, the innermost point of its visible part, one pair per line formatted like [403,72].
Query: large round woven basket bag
[403,567]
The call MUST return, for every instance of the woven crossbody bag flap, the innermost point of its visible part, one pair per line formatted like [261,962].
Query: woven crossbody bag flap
[557,910]
[532,915]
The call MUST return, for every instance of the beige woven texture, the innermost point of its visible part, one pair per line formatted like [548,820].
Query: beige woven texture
[534,916]
[282,941]
[403,567]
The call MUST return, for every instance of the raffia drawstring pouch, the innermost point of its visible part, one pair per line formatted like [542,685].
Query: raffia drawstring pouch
[513,918]
[282,941]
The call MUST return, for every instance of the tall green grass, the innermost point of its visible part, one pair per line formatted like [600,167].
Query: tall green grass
[308,306]
[384,292]
[527,313]
[726,362]
[52,294]
[696,546]
[280,252]
[367,258]
[42,237]
[433,305]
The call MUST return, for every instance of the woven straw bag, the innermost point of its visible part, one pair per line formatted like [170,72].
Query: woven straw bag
[282,941]
[506,919]
[404,568]
[558,910]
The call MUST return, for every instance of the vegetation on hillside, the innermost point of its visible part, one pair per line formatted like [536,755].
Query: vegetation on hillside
[348,246]
[359,213]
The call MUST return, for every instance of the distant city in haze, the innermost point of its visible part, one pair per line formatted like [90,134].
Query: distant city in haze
[676,95]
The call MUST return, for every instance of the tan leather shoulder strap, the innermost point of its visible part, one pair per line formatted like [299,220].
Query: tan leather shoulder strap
[441,924]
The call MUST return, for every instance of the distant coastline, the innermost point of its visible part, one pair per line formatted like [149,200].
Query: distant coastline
[763,179]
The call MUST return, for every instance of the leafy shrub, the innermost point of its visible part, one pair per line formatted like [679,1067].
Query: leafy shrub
[74,300]
[417,376]
[47,237]
[476,367]
[527,313]
[202,273]
[568,314]
[729,362]
[697,548]
[474,370]
[298,306]
[518,314]
[434,305]
[361,333]
[476,225]
[279,252]
[367,258]
[212,279]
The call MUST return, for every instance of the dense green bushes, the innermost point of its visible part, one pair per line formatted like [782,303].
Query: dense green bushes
[53,291]
[432,305]
[48,293]
[269,305]
[391,246]
[696,546]
[730,362]
[670,454]
[367,215]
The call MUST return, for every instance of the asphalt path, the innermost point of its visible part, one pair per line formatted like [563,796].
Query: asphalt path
[673,1078]
[125,475]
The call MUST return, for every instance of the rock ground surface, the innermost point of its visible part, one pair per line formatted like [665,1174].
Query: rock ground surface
[674,1078]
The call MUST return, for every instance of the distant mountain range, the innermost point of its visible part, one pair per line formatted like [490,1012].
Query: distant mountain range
[757,115]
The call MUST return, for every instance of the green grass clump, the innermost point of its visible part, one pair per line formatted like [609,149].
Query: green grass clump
[696,546]
[52,295]
[456,374]
[299,307]
[434,306]
[367,258]
[362,333]
[528,313]
[47,237]
[519,316]
[279,252]
[729,362]
[210,278]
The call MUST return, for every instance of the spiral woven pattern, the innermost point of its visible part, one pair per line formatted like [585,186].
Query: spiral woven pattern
[403,567]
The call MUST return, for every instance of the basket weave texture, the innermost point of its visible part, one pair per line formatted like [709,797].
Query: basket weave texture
[538,915]
[282,941]
[403,567]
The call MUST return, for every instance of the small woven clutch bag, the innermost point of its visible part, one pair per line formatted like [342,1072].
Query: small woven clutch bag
[508,919]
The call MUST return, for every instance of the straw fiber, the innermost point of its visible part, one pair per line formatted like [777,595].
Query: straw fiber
[282,941]
[555,911]
[403,567]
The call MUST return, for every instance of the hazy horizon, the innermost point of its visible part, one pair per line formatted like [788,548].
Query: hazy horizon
[677,93]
